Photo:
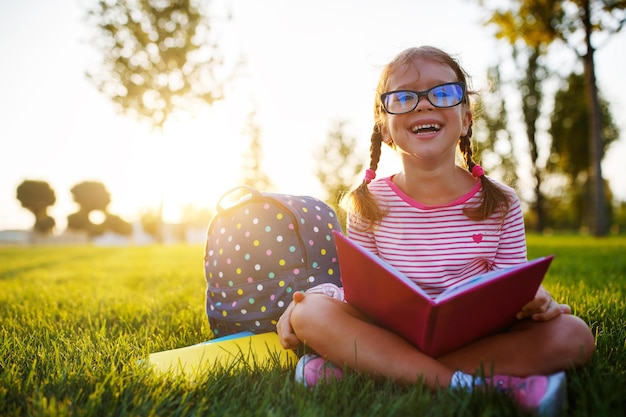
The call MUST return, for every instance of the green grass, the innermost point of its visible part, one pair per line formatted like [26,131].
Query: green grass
[75,321]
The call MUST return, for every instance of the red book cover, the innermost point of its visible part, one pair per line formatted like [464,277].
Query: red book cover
[460,315]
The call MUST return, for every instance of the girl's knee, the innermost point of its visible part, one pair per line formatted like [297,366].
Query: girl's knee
[580,338]
[311,312]
[571,339]
[566,339]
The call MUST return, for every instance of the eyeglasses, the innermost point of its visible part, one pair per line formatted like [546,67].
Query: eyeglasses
[405,101]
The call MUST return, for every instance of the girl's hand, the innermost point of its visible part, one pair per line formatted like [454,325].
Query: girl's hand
[543,307]
[286,335]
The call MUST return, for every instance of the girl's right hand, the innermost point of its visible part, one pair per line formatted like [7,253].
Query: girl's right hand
[286,335]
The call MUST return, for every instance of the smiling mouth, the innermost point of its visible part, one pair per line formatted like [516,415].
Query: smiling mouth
[426,128]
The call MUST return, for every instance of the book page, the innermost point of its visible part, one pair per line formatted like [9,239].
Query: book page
[471,282]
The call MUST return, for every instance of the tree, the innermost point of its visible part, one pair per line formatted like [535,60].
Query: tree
[158,57]
[532,99]
[338,165]
[619,222]
[569,151]
[92,196]
[150,223]
[529,38]
[117,225]
[573,22]
[495,148]
[80,221]
[608,22]
[252,171]
[37,196]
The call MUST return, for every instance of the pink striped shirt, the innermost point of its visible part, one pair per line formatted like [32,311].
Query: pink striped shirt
[439,246]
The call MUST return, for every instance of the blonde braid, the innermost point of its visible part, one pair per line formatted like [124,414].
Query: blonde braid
[360,202]
[494,198]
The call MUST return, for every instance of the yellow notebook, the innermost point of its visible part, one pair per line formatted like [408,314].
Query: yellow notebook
[230,352]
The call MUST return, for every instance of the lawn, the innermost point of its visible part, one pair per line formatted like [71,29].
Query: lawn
[75,321]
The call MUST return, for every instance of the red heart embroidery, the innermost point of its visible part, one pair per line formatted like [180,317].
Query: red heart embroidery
[478,237]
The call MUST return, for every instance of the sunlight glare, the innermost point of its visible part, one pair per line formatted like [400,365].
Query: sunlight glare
[97,217]
[200,159]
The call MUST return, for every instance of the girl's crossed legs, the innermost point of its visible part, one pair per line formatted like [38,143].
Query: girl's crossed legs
[341,334]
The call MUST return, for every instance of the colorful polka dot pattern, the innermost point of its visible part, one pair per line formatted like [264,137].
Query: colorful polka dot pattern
[262,250]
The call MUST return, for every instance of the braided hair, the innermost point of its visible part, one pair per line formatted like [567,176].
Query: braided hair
[362,202]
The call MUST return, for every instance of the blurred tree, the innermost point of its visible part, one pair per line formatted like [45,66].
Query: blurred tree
[37,196]
[150,223]
[80,221]
[494,141]
[252,171]
[117,225]
[569,151]
[158,57]
[338,165]
[531,87]
[92,196]
[574,22]
[529,39]
[619,222]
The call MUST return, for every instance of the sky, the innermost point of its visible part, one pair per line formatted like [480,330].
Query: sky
[307,65]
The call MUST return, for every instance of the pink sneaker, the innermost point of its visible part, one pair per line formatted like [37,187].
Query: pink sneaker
[312,368]
[545,394]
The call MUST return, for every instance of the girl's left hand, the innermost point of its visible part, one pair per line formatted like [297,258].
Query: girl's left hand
[543,307]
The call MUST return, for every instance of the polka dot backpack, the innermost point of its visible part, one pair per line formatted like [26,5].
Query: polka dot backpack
[259,251]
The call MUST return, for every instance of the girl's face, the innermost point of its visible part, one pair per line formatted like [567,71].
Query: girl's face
[428,134]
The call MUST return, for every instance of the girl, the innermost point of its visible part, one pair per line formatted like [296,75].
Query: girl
[440,224]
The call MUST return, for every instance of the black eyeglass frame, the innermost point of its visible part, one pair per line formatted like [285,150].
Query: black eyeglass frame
[421,94]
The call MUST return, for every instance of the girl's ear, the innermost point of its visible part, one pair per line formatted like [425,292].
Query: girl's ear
[384,133]
[467,121]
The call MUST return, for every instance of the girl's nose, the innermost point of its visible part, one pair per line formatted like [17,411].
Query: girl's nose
[423,104]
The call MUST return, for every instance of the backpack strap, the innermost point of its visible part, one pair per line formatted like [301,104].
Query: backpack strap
[252,193]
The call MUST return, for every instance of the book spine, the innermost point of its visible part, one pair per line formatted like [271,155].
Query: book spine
[430,329]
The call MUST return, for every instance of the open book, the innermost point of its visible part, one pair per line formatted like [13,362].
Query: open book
[460,315]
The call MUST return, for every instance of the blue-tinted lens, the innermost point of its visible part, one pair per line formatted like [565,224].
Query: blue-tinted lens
[446,95]
[401,101]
